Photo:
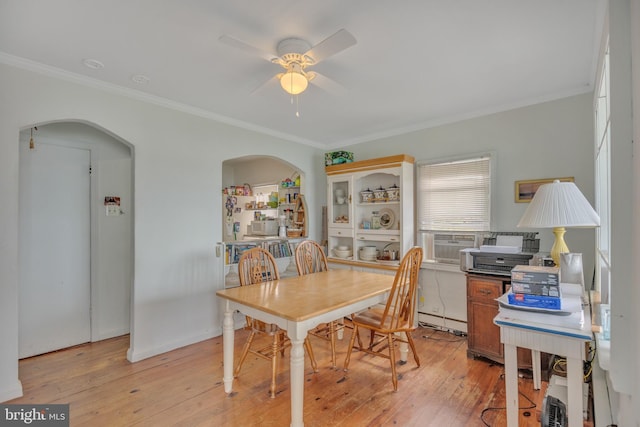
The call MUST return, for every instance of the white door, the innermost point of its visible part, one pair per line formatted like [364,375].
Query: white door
[54,289]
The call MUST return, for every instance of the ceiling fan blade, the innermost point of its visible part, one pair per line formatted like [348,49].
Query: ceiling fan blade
[331,45]
[239,44]
[326,84]
[266,83]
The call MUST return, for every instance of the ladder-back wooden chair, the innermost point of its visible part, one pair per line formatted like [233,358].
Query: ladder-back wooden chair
[310,258]
[395,322]
[257,265]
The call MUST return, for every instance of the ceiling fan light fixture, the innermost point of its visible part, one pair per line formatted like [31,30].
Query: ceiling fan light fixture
[294,82]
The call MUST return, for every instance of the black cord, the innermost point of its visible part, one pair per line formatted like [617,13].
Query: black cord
[437,329]
[499,408]
[430,337]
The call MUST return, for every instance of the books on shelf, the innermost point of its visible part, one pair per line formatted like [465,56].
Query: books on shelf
[277,248]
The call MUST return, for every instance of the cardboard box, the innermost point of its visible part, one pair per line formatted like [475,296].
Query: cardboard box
[537,301]
[535,289]
[536,274]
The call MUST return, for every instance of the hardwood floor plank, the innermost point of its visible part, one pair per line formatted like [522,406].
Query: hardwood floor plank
[184,387]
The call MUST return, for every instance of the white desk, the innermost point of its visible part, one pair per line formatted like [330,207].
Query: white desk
[549,333]
[298,304]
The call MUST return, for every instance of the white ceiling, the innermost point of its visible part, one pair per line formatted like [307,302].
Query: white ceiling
[417,63]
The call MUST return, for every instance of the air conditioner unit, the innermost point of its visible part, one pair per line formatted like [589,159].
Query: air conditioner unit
[447,246]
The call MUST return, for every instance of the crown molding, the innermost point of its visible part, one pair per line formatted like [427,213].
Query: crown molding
[57,73]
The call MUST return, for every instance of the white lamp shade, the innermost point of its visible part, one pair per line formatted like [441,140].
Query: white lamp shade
[559,204]
[293,82]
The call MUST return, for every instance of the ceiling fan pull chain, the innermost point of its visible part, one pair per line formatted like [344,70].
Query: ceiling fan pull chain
[297,107]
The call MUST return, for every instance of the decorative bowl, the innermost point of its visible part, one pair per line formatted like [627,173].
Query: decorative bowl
[342,254]
[294,232]
[367,255]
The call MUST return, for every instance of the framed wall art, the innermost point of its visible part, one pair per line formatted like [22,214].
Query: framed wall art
[525,190]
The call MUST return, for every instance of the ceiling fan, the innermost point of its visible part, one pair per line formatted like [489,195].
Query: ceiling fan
[295,55]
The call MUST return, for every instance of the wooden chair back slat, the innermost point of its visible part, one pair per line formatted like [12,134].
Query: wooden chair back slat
[310,258]
[400,308]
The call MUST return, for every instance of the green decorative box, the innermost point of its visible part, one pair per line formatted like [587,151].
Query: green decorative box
[338,157]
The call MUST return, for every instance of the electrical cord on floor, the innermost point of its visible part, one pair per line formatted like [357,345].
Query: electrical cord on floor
[435,329]
[500,408]
[444,307]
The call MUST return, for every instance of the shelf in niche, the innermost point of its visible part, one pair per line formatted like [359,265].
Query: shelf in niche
[388,202]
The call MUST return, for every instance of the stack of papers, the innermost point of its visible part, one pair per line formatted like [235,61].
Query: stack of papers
[571,314]
[500,249]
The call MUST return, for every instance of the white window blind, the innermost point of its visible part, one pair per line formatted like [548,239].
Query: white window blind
[455,196]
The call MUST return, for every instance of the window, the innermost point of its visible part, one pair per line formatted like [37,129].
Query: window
[453,197]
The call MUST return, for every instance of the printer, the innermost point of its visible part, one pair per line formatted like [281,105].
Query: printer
[500,252]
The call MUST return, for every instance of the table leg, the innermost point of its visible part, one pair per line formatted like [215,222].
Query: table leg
[227,348]
[535,362]
[574,391]
[297,381]
[404,349]
[511,383]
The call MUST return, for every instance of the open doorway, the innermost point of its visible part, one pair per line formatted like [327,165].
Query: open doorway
[76,249]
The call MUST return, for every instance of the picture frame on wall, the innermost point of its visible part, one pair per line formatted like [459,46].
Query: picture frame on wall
[526,189]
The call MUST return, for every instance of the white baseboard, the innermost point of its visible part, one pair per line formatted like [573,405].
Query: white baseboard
[138,355]
[11,392]
[134,355]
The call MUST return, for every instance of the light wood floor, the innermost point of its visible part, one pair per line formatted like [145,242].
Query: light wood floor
[184,387]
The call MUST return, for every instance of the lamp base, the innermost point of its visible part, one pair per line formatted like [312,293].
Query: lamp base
[559,246]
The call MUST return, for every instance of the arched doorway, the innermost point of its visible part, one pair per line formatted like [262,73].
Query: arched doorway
[76,253]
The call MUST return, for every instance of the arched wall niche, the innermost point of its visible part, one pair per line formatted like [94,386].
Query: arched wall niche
[81,130]
[257,170]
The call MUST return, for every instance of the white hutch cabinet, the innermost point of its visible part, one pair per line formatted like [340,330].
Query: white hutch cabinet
[370,212]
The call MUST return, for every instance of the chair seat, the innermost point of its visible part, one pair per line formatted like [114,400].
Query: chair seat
[394,322]
[372,319]
[257,265]
[310,258]
[265,328]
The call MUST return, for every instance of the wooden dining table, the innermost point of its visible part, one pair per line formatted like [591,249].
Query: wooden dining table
[298,304]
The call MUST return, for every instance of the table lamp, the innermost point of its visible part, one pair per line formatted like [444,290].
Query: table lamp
[558,205]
